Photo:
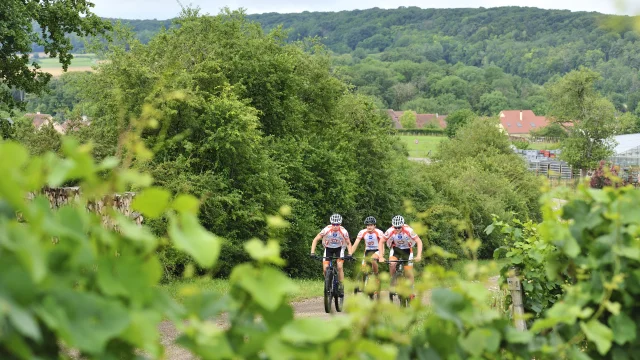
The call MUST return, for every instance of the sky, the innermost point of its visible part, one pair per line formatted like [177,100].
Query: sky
[166,9]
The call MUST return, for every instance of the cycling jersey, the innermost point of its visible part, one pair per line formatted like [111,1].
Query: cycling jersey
[334,239]
[371,239]
[404,239]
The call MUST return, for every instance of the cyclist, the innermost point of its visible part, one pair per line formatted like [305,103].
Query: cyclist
[401,239]
[374,243]
[335,239]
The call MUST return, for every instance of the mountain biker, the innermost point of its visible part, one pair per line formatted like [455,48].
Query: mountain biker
[400,239]
[374,243]
[335,239]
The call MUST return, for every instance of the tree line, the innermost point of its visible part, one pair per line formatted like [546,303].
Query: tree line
[519,49]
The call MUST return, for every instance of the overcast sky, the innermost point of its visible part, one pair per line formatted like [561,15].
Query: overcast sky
[165,9]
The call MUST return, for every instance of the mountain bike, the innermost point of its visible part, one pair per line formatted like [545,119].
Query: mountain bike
[363,278]
[393,296]
[332,285]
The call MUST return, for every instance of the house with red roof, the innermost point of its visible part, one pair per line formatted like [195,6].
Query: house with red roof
[521,122]
[422,120]
[39,120]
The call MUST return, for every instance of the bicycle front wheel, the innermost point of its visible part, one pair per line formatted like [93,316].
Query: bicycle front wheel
[339,301]
[328,290]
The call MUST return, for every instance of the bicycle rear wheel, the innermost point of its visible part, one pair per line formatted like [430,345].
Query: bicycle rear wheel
[328,290]
[366,282]
[393,297]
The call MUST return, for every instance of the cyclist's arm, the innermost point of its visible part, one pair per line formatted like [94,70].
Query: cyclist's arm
[314,243]
[349,248]
[381,247]
[419,242]
[355,245]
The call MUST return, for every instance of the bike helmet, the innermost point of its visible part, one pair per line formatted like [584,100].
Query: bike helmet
[370,220]
[336,219]
[397,221]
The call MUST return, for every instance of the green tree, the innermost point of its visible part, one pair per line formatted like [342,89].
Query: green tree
[17,34]
[6,128]
[477,173]
[408,120]
[458,119]
[588,117]
[492,103]
[246,131]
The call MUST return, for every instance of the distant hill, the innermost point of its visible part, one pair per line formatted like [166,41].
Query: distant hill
[530,45]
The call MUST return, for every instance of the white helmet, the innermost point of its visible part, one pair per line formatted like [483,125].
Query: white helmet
[335,219]
[397,221]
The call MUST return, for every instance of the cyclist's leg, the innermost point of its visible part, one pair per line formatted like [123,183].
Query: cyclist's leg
[325,263]
[374,262]
[392,266]
[340,265]
[408,269]
[341,271]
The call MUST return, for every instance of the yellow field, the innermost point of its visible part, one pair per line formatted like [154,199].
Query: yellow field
[80,62]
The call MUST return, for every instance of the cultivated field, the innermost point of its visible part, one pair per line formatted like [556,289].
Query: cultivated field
[425,144]
[80,62]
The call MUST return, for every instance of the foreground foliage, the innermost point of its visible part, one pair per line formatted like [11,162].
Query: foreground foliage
[68,283]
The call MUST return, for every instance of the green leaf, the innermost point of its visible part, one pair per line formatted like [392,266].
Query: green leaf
[13,155]
[276,319]
[310,330]
[480,340]
[186,203]
[276,348]
[629,208]
[571,247]
[629,252]
[447,304]
[518,337]
[23,321]
[267,286]
[489,229]
[207,342]
[143,331]
[85,321]
[138,234]
[269,253]
[108,163]
[60,172]
[189,236]
[598,334]
[624,329]
[152,202]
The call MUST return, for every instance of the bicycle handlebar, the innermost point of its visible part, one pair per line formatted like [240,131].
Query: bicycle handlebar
[334,258]
[398,261]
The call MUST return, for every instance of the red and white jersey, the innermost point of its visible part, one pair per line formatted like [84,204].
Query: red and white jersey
[334,239]
[371,239]
[402,239]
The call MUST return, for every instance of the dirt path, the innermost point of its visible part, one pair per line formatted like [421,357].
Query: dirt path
[313,307]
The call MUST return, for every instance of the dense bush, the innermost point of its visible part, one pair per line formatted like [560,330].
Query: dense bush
[478,174]
[533,259]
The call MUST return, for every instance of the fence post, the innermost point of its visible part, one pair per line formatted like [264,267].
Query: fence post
[515,287]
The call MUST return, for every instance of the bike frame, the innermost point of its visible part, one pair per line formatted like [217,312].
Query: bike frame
[398,273]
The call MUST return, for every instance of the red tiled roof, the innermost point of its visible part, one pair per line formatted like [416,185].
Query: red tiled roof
[421,119]
[38,119]
[521,121]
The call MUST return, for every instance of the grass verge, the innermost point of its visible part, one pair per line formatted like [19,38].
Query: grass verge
[425,144]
